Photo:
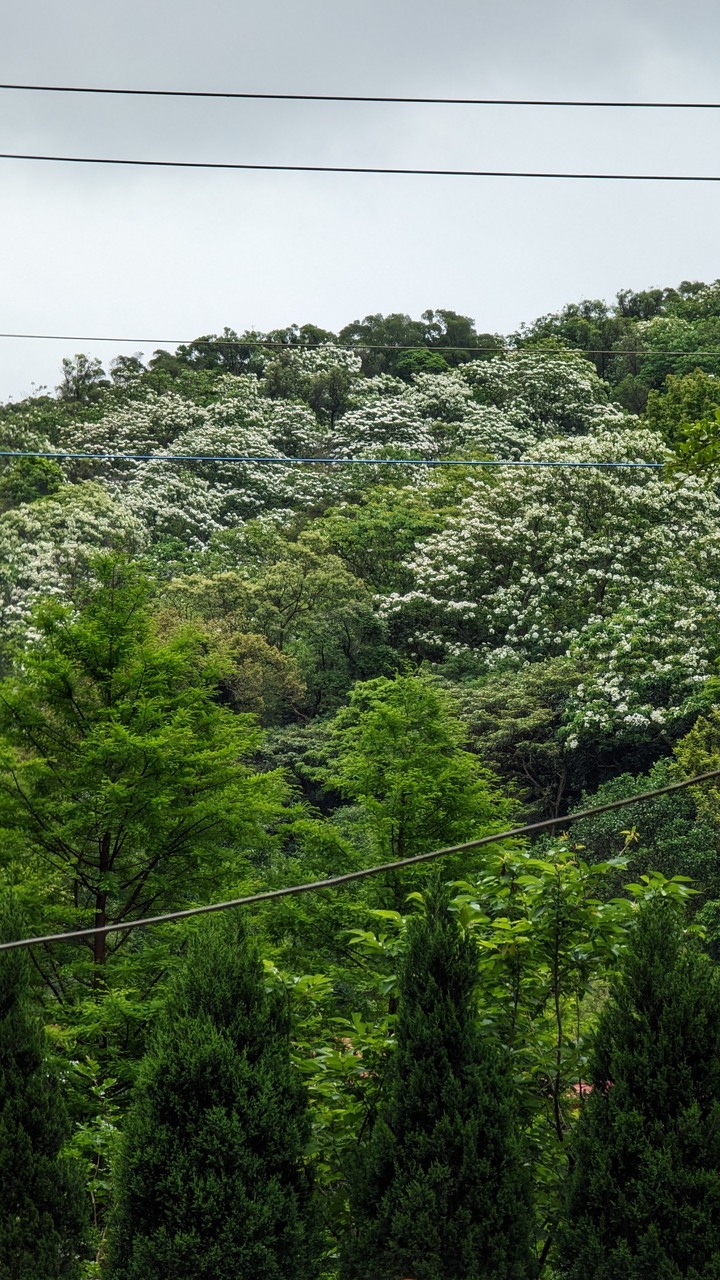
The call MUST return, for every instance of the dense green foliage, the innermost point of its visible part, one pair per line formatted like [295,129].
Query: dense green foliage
[399,753]
[105,711]
[440,1192]
[210,1178]
[219,676]
[644,1196]
[644,338]
[41,1193]
[124,790]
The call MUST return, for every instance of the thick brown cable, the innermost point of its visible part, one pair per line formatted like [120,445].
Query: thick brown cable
[333,882]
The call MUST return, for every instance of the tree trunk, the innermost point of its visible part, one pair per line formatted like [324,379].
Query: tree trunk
[100,939]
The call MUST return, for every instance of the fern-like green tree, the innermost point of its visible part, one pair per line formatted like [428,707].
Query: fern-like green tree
[211,1183]
[439,1192]
[124,783]
[644,1194]
[401,758]
[41,1195]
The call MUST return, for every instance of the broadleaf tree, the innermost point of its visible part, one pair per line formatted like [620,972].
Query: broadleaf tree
[401,758]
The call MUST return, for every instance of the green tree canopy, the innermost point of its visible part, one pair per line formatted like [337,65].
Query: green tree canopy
[28,479]
[681,401]
[401,757]
[515,721]
[83,380]
[124,786]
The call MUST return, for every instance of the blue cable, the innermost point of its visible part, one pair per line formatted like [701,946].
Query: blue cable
[375,462]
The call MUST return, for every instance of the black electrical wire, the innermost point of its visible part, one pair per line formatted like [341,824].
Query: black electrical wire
[333,882]
[362,169]
[289,346]
[295,347]
[356,97]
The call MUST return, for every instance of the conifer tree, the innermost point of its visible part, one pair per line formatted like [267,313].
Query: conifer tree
[439,1193]
[210,1182]
[644,1195]
[41,1194]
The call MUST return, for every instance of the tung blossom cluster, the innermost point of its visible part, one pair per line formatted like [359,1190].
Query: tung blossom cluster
[614,568]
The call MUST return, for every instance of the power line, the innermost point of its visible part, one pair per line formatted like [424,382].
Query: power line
[364,169]
[280,345]
[362,462]
[333,882]
[272,343]
[356,97]
[296,347]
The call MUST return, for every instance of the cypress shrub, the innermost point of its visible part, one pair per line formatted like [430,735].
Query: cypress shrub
[210,1183]
[644,1192]
[41,1194]
[440,1192]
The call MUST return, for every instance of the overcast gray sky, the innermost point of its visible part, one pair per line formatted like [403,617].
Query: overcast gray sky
[164,254]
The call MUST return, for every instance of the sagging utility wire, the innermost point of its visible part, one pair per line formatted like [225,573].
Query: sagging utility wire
[293,348]
[333,882]
[363,169]
[357,97]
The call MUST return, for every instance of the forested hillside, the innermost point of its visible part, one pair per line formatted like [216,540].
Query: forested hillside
[229,667]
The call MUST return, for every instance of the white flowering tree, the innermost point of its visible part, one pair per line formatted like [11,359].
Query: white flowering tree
[548,391]
[616,569]
[647,666]
[613,569]
[46,547]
